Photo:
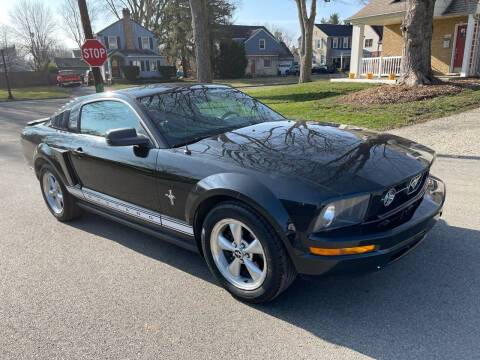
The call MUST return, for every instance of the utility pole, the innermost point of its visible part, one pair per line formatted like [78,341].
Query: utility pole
[10,96]
[87,30]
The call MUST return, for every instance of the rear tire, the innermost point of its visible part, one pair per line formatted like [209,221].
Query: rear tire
[245,254]
[59,201]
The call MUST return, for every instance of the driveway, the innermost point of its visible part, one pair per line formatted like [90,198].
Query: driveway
[96,289]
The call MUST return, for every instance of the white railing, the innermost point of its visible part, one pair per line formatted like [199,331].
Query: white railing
[381,66]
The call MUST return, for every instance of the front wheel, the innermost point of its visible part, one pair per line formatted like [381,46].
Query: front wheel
[244,253]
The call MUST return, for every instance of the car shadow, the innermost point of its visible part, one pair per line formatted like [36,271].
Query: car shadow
[182,259]
[423,306]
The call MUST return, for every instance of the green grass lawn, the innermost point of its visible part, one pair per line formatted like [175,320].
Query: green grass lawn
[313,101]
[35,93]
[240,83]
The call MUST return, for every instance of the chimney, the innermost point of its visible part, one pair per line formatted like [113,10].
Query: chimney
[127,29]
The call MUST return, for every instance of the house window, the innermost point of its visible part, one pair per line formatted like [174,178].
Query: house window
[368,43]
[145,43]
[267,62]
[321,43]
[152,65]
[261,44]
[317,44]
[322,59]
[314,60]
[345,43]
[112,42]
[335,43]
[137,63]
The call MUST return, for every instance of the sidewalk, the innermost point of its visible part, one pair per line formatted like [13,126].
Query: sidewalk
[456,135]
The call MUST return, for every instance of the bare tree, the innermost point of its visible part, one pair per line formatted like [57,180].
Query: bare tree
[12,54]
[71,22]
[201,37]
[417,31]
[145,12]
[282,35]
[34,26]
[306,47]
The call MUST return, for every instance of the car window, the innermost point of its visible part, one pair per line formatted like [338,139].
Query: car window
[189,115]
[97,118]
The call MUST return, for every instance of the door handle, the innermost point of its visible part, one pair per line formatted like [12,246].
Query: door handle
[78,151]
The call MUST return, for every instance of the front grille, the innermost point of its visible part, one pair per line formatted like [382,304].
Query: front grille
[403,194]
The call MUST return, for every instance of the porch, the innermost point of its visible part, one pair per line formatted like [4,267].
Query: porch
[454,47]
[147,62]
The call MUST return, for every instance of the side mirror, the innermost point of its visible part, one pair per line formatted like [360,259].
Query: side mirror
[125,137]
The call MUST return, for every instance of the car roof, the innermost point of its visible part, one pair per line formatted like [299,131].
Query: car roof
[152,89]
[139,91]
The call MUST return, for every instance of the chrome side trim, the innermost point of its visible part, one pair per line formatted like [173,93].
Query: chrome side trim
[177,225]
[124,207]
[76,191]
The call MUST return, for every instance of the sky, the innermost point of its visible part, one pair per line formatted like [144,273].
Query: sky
[279,13]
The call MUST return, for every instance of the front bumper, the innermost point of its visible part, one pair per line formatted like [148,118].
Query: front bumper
[390,245]
[66,83]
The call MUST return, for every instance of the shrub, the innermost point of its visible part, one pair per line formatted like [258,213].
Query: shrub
[131,72]
[167,72]
[231,60]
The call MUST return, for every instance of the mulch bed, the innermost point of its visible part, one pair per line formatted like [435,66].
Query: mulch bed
[396,94]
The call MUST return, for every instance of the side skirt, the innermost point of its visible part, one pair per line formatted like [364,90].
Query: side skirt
[161,235]
[129,209]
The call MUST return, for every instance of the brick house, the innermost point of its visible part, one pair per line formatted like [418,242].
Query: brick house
[264,52]
[454,42]
[129,43]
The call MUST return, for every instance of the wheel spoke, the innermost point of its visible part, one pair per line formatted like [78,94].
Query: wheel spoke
[236,230]
[225,244]
[254,248]
[234,267]
[51,180]
[253,270]
[58,202]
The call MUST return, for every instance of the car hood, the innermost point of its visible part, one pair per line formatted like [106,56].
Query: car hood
[340,158]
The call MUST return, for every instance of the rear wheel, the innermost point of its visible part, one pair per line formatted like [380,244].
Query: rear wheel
[60,203]
[244,253]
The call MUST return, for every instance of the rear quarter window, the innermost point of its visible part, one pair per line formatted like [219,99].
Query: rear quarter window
[60,120]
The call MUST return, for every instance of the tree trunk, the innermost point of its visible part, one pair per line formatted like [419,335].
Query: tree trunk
[417,31]
[202,42]
[306,46]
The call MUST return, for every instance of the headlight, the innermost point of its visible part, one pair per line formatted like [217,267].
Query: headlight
[341,213]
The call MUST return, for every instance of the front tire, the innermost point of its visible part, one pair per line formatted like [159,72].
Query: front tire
[59,201]
[244,253]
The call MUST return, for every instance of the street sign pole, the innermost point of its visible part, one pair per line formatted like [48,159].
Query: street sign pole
[87,30]
[10,96]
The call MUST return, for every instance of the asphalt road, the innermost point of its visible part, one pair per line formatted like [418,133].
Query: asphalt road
[95,289]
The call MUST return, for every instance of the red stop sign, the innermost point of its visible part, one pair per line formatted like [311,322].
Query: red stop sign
[94,53]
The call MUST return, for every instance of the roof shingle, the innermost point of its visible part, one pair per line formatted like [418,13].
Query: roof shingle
[335,30]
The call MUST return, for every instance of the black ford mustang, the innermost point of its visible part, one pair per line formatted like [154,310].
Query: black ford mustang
[211,169]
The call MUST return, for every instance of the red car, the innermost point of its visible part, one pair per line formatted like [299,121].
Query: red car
[68,77]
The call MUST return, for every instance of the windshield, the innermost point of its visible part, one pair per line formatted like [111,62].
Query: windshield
[66,72]
[189,115]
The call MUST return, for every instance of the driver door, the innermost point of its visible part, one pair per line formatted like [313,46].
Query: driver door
[123,172]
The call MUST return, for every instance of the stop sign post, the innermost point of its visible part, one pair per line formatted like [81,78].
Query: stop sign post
[94,53]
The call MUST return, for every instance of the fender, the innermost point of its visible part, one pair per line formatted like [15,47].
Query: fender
[246,189]
[57,158]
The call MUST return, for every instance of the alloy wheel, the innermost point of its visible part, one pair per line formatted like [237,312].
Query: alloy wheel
[53,192]
[238,254]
